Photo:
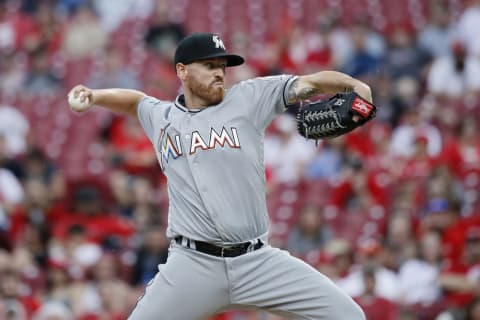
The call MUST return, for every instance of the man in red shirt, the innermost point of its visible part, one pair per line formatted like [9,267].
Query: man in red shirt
[461,280]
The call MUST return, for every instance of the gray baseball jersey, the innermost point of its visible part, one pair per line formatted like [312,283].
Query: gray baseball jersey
[213,159]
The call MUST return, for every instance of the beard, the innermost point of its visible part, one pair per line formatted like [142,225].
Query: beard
[211,93]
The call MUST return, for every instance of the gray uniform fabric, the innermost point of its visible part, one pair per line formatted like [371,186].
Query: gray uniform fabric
[193,286]
[213,161]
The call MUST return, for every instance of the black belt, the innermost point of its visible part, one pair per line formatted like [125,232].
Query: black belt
[228,251]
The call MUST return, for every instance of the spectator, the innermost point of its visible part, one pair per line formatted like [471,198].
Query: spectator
[269,60]
[355,190]
[123,197]
[8,32]
[386,281]
[456,75]
[40,80]
[76,248]
[11,195]
[337,259]
[15,28]
[23,260]
[338,38]
[129,148]
[163,34]
[14,127]
[462,154]
[327,162]
[418,276]
[37,166]
[12,309]
[293,47]
[439,215]
[57,287]
[53,310]
[436,36]
[383,91]
[114,73]
[7,161]
[374,306]
[418,166]
[468,24]
[240,42]
[111,290]
[31,251]
[146,211]
[153,251]
[400,235]
[114,14]
[363,62]
[12,74]
[405,96]
[136,199]
[311,232]
[161,37]
[453,228]
[441,184]
[460,282]
[30,222]
[374,42]
[17,303]
[404,57]
[90,215]
[84,35]
[403,136]
[48,31]
[375,151]
[296,152]
[85,301]
[319,55]
[359,144]
[159,78]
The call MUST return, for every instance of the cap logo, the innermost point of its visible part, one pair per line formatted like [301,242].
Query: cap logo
[218,42]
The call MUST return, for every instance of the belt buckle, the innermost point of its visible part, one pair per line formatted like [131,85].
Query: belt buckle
[226,248]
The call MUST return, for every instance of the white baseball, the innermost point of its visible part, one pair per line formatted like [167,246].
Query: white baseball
[76,104]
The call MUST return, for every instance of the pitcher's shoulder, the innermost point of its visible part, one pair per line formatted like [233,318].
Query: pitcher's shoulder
[278,77]
[154,107]
[153,101]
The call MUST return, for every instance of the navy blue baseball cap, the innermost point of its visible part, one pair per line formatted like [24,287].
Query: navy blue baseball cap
[201,46]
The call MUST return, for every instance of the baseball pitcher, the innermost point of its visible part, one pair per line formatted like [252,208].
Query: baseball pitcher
[209,144]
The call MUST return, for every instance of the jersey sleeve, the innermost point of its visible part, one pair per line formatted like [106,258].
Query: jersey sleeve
[145,112]
[267,98]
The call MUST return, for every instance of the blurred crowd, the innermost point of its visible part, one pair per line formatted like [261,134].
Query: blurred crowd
[390,212]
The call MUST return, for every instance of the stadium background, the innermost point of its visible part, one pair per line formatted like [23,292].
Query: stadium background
[389,212]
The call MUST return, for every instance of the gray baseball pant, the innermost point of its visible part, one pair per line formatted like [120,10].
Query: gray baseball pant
[193,285]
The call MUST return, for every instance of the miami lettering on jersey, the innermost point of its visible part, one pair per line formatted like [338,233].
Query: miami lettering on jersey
[168,147]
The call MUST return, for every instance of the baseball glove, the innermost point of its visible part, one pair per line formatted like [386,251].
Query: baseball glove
[334,117]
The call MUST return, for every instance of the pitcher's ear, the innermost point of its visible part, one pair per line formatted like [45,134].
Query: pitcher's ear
[181,70]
